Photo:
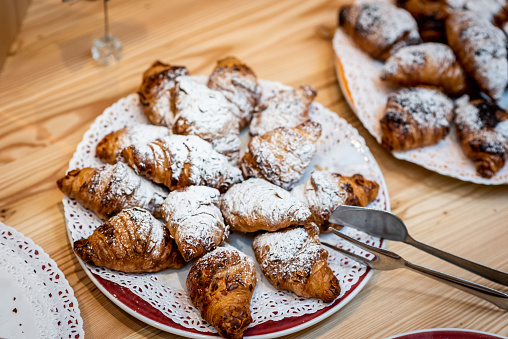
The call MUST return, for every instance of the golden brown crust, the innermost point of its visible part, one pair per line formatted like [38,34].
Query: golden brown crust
[282,155]
[239,85]
[133,241]
[156,90]
[179,161]
[379,28]
[478,129]
[220,285]
[415,117]
[293,259]
[110,147]
[109,189]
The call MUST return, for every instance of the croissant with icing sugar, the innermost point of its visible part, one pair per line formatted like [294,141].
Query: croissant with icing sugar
[256,204]
[220,285]
[285,108]
[432,64]
[110,147]
[178,161]
[109,189]
[194,220]
[133,241]
[324,192]
[293,259]
[379,28]
[207,114]
[415,117]
[156,92]
[481,49]
[482,129]
[238,83]
[281,156]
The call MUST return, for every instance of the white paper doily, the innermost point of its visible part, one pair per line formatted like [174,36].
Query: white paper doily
[36,301]
[340,149]
[366,93]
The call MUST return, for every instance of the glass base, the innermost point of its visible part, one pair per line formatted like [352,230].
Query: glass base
[107,50]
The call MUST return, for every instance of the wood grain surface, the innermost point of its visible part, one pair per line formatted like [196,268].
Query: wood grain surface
[51,90]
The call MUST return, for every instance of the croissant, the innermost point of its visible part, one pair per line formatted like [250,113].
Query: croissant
[324,192]
[256,204]
[178,161]
[194,220]
[286,108]
[431,64]
[132,241]
[109,148]
[156,90]
[415,117]
[293,259]
[482,129]
[239,85]
[481,49]
[281,156]
[109,189]
[379,28]
[208,114]
[220,285]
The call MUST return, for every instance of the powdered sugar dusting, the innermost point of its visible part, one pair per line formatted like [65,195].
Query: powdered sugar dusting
[428,107]
[148,229]
[502,128]
[194,220]
[144,133]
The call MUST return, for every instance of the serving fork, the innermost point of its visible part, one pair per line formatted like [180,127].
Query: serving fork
[386,260]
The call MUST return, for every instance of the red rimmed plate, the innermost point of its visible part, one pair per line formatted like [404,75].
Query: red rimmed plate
[447,333]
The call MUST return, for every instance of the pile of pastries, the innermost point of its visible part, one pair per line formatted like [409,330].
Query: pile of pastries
[439,50]
[170,192]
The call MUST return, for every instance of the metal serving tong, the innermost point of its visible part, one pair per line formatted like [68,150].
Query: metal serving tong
[388,226]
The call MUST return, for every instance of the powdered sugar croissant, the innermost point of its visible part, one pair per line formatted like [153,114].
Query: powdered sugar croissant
[178,161]
[133,241]
[220,285]
[194,220]
[293,259]
[281,156]
[109,189]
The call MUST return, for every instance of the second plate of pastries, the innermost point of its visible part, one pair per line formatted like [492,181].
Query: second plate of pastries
[196,205]
[427,79]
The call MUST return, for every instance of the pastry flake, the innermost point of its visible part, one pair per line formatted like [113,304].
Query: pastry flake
[256,204]
[133,241]
[194,220]
[293,259]
[109,189]
[156,92]
[220,285]
[415,117]
[178,161]
[281,156]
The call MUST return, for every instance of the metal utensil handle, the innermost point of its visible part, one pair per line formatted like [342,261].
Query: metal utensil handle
[495,297]
[483,271]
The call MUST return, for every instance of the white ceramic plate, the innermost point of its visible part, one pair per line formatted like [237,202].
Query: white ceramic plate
[358,76]
[36,301]
[160,299]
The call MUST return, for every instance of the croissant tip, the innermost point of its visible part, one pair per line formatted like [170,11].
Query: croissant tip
[83,249]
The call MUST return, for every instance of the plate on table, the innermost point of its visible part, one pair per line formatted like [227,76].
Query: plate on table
[366,94]
[36,301]
[161,300]
[447,333]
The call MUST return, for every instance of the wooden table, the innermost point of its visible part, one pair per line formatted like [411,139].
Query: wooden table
[51,91]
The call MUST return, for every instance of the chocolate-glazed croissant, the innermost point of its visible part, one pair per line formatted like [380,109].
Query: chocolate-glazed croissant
[156,92]
[239,85]
[220,285]
[109,189]
[133,241]
[178,161]
[293,259]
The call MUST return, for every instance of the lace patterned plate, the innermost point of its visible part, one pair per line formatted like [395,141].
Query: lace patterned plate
[160,299]
[36,301]
[366,94]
